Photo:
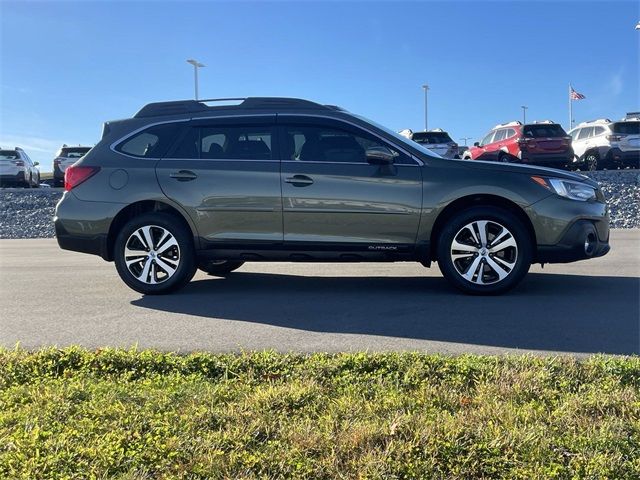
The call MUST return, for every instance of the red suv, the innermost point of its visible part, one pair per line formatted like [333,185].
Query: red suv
[540,143]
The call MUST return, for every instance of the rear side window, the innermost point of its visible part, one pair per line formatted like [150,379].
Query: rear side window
[626,128]
[228,142]
[585,133]
[511,133]
[598,131]
[500,135]
[574,133]
[544,130]
[152,142]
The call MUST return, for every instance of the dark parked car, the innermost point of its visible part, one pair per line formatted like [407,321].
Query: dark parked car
[183,185]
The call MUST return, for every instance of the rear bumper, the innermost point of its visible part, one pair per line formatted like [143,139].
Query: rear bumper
[580,242]
[13,178]
[626,158]
[546,159]
[84,226]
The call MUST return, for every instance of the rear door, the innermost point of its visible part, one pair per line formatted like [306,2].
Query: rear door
[333,197]
[226,174]
[583,142]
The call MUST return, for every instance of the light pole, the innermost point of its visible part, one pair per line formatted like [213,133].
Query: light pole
[524,113]
[196,65]
[464,139]
[426,118]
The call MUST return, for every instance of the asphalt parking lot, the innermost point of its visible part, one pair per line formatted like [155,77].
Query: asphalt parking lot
[52,297]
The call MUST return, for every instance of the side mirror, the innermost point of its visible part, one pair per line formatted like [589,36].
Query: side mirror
[35,164]
[476,144]
[380,156]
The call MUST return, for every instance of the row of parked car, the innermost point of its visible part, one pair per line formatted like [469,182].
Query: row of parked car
[591,145]
[18,170]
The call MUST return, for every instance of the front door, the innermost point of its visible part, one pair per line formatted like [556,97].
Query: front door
[333,197]
[226,174]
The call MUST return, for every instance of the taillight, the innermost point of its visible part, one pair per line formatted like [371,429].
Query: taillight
[454,145]
[615,138]
[56,161]
[75,175]
[19,163]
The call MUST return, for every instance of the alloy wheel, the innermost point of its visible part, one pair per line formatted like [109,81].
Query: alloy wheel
[152,254]
[592,162]
[484,252]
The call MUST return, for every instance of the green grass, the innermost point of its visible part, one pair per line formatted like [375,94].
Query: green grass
[140,414]
[46,175]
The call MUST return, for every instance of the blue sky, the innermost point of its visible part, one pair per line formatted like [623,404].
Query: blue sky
[66,67]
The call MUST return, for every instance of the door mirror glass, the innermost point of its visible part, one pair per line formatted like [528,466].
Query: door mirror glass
[379,155]
[476,144]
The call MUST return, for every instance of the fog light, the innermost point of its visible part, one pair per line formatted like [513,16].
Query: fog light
[590,244]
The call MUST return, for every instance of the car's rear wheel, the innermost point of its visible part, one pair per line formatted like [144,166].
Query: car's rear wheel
[504,157]
[591,160]
[154,254]
[219,268]
[484,251]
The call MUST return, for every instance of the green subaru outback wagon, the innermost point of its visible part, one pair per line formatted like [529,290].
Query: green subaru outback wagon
[209,184]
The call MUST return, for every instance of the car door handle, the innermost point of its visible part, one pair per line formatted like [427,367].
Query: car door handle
[183,175]
[299,181]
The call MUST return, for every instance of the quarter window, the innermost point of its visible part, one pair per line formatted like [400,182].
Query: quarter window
[500,135]
[152,142]
[598,131]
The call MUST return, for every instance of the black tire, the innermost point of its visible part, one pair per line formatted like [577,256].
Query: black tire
[219,268]
[504,158]
[591,160]
[186,265]
[495,215]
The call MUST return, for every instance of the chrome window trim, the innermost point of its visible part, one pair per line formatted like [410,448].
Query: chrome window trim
[409,154]
[219,159]
[113,145]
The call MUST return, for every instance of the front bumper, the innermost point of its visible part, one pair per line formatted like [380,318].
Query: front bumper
[580,242]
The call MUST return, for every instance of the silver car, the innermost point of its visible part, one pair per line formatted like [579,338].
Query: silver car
[17,169]
[436,140]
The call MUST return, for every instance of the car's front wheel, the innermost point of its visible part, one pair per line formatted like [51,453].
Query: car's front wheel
[154,254]
[591,161]
[219,268]
[484,251]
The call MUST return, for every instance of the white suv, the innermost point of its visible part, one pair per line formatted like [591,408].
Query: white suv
[17,169]
[603,143]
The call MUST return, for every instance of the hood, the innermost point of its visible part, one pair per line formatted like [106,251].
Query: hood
[525,169]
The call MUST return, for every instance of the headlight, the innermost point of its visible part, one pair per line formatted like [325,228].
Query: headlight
[567,188]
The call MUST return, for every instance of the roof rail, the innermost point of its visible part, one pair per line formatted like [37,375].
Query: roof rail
[597,120]
[508,124]
[197,106]
[548,122]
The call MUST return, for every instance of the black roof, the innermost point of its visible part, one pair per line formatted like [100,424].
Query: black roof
[253,103]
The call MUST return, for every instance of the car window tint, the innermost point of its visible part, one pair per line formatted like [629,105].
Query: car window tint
[510,133]
[486,140]
[585,133]
[574,133]
[152,142]
[500,135]
[226,142]
[327,144]
[598,131]
[626,128]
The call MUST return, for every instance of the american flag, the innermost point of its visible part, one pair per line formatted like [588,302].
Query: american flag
[575,95]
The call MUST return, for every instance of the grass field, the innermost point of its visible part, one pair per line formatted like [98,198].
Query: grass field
[139,414]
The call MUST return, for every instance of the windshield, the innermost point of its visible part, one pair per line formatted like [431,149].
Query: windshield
[427,138]
[626,128]
[402,140]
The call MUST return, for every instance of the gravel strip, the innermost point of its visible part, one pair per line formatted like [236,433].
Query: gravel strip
[28,213]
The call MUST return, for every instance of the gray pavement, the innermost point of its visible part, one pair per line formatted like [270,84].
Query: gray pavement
[53,297]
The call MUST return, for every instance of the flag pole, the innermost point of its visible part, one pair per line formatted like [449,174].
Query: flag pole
[570,109]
